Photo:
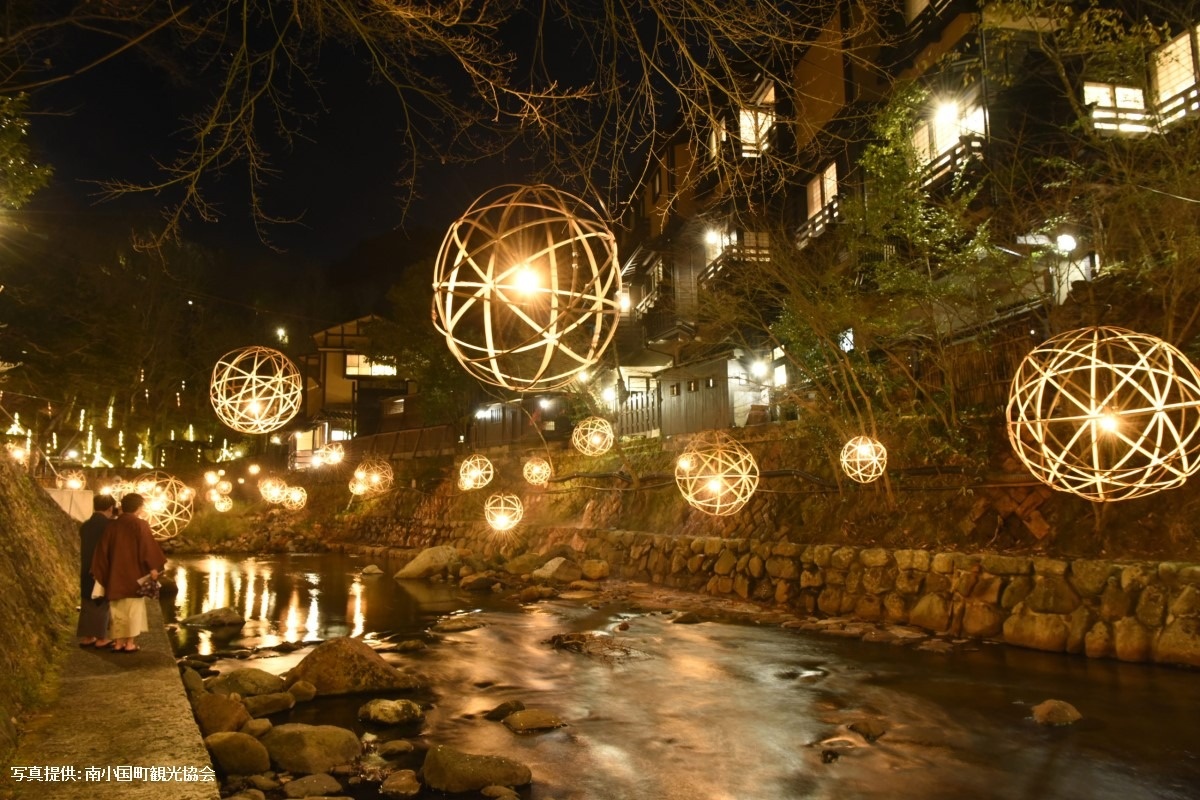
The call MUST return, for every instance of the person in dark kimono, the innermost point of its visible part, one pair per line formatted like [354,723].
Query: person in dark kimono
[92,629]
[126,554]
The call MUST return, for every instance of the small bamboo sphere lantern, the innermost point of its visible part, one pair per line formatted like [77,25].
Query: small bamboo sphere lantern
[295,498]
[255,389]
[593,436]
[224,486]
[222,503]
[73,480]
[503,511]
[359,488]
[526,288]
[716,474]
[331,455]
[537,471]
[475,472]
[272,489]
[864,459]
[375,473]
[1106,413]
[168,506]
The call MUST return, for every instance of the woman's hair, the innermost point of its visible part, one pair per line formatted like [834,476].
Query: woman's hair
[131,502]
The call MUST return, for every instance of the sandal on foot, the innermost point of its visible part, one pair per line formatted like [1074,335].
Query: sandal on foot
[133,649]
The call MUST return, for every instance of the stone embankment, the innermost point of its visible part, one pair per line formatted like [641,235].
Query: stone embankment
[1131,611]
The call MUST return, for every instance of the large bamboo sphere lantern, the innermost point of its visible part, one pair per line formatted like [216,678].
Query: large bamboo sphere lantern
[526,288]
[272,489]
[295,498]
[1106,413]
[864,459]
[373,473]
[593,436]
[475,472]
[168,506]
[537,471]
[503,511]
[716,474]
[255,389]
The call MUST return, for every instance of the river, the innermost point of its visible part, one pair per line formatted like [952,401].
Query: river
[723,710]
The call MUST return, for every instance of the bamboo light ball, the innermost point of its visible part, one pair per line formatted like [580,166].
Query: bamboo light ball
[526,288]
[73,479]
[593,436]
[503,511]
[358,488]
[295,498]
[375,474]
[864,459]
[716,474]
[255,389]
[222,503]
[1106,413]
[168,506]
[331,454]
[224,486]
[475,472]
[272,489]
[537,471]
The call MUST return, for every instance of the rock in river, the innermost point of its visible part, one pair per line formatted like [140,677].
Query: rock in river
[429,562]
[391,712]
[449,770]
[310,749]
[349,666]
[217,618]
[247,682]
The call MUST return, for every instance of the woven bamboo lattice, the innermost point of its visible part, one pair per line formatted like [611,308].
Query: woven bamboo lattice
[593,436]
[716,474]
[222,503]
[373,475]
[1106,413]
[168,506]
[272,489]
[331,455]
[295,498]
[526,288]
[503,511]
[224,486]
[864,459]
[72,479]
[537,471]
[255,389]
[475,472]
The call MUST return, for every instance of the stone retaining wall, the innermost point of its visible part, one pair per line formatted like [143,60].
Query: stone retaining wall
[1131,611]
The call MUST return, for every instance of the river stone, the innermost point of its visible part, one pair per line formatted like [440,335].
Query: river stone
[303,691]
[932,612]
[558,570]
[402,783]
[1055,712]
[257,727]
[1090,577]
[372,569]
[264,705]
[349,666]
[193,684]
[1186,603]
[391,712]
[1052,595]
[1026,628]
[217,618]
[982,619]
[1098,643]
[1152,607]
[481,582]
[531,720]
[216,713]
[237,753]
[449,770]
[395,748]
[247,682]
[524,564]
[1131,642]
[1006,565]
[1179,643]
[311,749]
[595,569]
[429,562]
[502,792]
[312,786]
[504,709]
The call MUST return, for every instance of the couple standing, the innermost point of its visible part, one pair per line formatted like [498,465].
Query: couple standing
[116,552]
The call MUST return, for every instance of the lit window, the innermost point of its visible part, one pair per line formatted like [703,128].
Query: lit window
[943,132]
[674,390]
[846,340]
[755,123]
[822,190]
[1116,108]
[393,407]
[1174,77]
[361,365]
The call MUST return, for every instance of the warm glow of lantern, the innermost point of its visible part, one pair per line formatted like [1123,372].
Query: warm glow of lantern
[222,504]
[1106,413]
[211,478]
[295,498]
[255,389]
[74,480]
[475,472]
[375,474]
[168,507]
[864,459]
[537,471]
[503,511]
[716,474]
[272,489]
[593,436]
[526,288]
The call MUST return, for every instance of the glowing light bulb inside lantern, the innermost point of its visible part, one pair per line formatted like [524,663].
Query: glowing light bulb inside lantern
[360,474]
[158,504]
[211,478]
[473,475]
[502,521]
[716,485]
[254,408]
[1108,422]
[526,280]
[596,439]
[74,483]
[254,469]
[685,463]
[864,450]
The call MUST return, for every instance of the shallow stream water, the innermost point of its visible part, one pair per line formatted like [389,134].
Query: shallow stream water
[722,710]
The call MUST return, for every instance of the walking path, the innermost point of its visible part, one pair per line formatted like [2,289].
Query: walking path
[120,727]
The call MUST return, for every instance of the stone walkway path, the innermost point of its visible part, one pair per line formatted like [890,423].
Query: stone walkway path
[121,724]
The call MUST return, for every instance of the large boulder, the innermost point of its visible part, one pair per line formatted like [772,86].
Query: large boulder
[310,749]
[391,712]
[429,562]
[349,666]
[217,618]
[247,682]
[237,753]
[216,713]
[558,570]
[449,770]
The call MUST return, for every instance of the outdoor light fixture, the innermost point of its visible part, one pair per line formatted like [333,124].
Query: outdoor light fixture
[526,288]
[1106,413]
[168,503]
[946,113]
[331,454]
[272,490]
[295,498]
[712,236]
[374,475]
[716,474]
[211,478]
[503,511]
[223,487]
[593,436]
[475,472]
[73,480]
[1065,243]
[537,471]
[545,403]
[758,369]
[254,469]
[609,394]
[222,504]
[624,301]
[864,459]
[255,389]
